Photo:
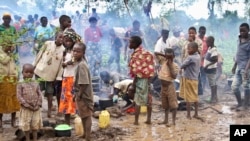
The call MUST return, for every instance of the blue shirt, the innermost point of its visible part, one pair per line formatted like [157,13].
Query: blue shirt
[43,33]
[243,54]
[191,66]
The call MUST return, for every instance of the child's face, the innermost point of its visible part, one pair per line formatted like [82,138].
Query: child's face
[191,50]
[59,39]
[67,42]
[244,32]
[66,23]
[78,52]
[191,34]
[169,55]
[28,72]
[209,42]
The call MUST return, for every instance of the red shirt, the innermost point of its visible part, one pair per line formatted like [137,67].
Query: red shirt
[141,63]
[92,35]
[204,49]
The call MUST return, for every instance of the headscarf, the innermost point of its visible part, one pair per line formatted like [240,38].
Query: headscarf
[70,33]
[6,14]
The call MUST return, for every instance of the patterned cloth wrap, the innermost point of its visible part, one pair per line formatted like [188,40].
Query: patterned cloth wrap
[94,57]
[141,63]
[72,35]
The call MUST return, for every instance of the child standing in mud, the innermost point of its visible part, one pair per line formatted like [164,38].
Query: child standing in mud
[167,74]
[83,89]
[189,80]
[49,59]
[67,105]
[30,98]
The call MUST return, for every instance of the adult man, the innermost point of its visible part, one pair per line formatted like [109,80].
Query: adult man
[141,69]
[42,33]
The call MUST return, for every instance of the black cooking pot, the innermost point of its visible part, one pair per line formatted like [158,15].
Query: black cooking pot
[63,130]
[105,102]
[95,79]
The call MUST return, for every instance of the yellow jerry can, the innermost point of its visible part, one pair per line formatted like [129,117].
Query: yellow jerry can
[104,119]
[143,109]
[78,126]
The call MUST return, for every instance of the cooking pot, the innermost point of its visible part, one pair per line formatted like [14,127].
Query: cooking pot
[105,102]
[63,130]
[95,79]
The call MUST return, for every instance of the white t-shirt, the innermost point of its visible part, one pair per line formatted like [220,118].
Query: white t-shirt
[160,46]
[211,52]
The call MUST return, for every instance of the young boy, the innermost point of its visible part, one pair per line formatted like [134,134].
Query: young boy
[141,67]
[189,80]
[241,67]
[210,66]
[48,66]
[83,89]
[167,74]
[30,98]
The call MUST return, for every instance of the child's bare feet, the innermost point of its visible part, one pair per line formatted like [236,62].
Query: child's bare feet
[147,122]
[83,136]
[189,117]
[136,123]
[198,117]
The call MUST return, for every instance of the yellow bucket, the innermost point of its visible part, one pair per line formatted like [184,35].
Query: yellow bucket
[143,109]
[104,119]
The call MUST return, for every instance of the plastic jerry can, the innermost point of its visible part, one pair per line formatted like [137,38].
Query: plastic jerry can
[104,119]
[78,126]
[143,109]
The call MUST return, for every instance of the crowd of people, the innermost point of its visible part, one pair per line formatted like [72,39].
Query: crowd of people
[66,61]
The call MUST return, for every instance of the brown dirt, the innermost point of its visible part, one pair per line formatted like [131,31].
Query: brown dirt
[215,126]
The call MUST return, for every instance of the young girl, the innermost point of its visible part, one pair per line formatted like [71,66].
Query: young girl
[167,74]
[30,98]
[67,106]
[83,89]
[189,80]
[48,66]
[8,78]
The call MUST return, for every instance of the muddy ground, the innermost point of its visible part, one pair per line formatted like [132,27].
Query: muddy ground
[215,126]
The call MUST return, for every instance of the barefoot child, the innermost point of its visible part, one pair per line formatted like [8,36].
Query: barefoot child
[30,98]
[83,89]
[189,80]
[167,74]
[141,67]
[48,67]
